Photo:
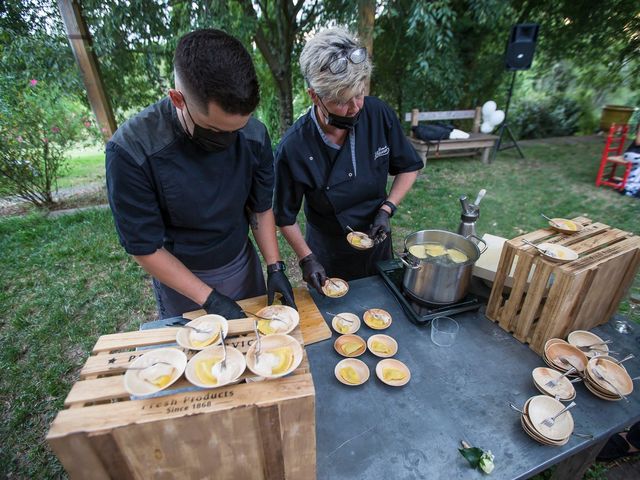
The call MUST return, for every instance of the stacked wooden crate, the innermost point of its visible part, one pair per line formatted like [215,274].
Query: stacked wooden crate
[255,430]
[550,300]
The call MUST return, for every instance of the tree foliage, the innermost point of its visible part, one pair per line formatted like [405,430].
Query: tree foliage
[39,124]
[440,54]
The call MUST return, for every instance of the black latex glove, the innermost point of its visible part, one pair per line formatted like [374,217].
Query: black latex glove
[277,282]
[313,272]
[380,227]
[222,305]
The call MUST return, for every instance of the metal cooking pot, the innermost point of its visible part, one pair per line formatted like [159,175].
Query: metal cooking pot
[438,280]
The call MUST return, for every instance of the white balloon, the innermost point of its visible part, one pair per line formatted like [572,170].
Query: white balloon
[488,108]
[497,117]
[486,127]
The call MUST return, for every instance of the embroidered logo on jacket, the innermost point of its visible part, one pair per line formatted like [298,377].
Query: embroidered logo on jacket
[381,152]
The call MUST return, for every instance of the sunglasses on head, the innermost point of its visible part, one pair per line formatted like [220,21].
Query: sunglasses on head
[338,63]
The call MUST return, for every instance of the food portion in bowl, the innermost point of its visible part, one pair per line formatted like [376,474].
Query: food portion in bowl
[359,240]
[206,370]
[350,345]
[437,250]
[335,287]
[155,370]
[274,356]
[564,225]
[203,332]
[345,323]
[352,372]
[277,319]
[377,318]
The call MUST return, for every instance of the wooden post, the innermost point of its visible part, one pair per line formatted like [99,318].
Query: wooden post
[80,41]
[366,20]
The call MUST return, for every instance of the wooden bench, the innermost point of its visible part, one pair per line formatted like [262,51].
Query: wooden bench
[476,143]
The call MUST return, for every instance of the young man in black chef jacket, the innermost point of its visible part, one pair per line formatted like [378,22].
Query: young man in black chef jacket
[187,176]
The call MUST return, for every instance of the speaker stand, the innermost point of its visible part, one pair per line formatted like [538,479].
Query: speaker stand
[505,127]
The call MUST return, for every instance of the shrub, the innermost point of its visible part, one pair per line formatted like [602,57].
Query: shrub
[39,125]
[552,117]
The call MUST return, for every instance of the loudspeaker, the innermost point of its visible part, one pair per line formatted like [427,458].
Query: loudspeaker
[521,45]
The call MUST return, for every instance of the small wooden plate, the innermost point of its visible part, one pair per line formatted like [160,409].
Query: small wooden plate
[358,365]
[583,338]
[372,314]
[353,327]
[332,290]
[396,364]
[388,341]
[183,337]
[235,366]
[541,407]
[359,240]
[613,372]
[551,341]
[577,358]
[271,342]
[134,379]
[283,312]
[564,389]
[564,225]
[344,339]
[559,254]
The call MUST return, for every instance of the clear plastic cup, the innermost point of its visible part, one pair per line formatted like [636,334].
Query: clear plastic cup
[444,331]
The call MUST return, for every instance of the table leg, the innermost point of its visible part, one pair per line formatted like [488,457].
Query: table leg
[574,467]
[485,155]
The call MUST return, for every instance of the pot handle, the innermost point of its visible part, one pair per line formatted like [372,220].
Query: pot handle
[407,264]
[481,241]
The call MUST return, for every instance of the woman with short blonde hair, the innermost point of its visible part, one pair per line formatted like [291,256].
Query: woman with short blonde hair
[337,158]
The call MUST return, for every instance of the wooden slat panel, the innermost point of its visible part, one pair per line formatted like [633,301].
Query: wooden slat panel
[531,306]
[271,435]
[75,446]
[299,463]
[221,445]
[94,390]
[442,115]
[96,418]
[476,140]
[494,306]
[520,277]
[129,340]
[613,273]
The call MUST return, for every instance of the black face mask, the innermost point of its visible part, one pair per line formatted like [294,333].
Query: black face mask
[209,140]
[338,121]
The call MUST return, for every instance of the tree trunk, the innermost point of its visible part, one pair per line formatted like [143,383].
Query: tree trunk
[285,100]
[366,20]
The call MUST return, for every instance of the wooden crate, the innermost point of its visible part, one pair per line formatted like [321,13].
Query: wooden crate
[258,430]
[550,300]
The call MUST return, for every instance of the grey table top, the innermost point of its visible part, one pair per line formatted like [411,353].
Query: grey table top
[455,393]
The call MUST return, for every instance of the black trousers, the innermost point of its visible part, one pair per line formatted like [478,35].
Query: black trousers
[341,260]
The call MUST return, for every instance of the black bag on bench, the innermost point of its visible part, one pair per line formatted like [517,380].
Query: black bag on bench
[432,133]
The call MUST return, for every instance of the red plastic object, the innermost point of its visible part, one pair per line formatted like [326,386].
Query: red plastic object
[612,159]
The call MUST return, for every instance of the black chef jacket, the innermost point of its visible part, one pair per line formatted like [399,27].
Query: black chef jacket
[340,190]
[164,190]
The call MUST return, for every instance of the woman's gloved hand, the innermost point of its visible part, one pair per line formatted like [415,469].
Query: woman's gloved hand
[380,227]
[277,282]
[313,272]
[220,304]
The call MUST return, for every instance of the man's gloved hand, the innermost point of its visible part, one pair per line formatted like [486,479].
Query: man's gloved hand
[313,272]
[380,227]
[277,282]
[220,304]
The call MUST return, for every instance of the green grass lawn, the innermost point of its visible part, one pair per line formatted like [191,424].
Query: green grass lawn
[67,281]
[85,165]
